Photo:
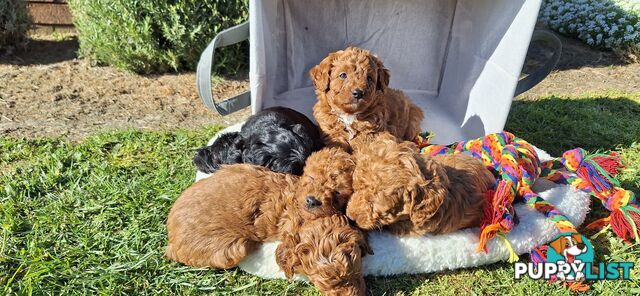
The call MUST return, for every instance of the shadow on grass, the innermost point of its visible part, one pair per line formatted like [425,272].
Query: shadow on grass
[44,52]
[410,284]
[575,55]
[594,123]
[575,52]
[396,285]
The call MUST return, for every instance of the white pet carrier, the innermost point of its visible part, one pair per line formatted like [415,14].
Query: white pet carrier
[460,60]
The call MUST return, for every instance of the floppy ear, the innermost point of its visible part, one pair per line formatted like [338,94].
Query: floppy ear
[320,73]
[383,74]
[286,256]
[356,235]
[249,155]
[349,160]
[427,194]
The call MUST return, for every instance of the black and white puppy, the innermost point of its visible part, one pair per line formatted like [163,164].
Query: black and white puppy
[277,138]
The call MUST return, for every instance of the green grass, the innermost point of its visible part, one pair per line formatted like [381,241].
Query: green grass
[88,218]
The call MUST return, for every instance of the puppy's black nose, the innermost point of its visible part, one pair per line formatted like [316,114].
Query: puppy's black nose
[581,246]
[357,93]
[312,202]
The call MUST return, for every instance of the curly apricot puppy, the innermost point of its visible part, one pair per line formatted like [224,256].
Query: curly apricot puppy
[220,220]
[326,184]
[329,251]
[404,192]
[354,98]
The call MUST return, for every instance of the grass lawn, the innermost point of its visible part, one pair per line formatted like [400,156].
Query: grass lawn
[89,218]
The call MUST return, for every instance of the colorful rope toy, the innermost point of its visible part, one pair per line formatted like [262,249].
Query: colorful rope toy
[517,166]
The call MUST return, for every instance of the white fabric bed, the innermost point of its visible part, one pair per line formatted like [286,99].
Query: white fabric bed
[400,255]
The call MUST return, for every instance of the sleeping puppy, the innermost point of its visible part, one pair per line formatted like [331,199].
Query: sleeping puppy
[329,251]
[222,219]
[354,98]
[277,138]
[326,184]
[399,190]
[227,149]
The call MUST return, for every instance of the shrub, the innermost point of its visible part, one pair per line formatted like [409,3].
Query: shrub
[610,24]
[14,23]
[150,36]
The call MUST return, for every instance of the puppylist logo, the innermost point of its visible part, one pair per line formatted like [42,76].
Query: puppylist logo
[570,258]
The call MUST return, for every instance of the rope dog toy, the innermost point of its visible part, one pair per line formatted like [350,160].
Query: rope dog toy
[517,166]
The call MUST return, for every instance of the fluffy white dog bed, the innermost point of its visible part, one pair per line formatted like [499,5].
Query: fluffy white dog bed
[398,255]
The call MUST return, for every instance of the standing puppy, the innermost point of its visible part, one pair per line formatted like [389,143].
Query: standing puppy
[354,99]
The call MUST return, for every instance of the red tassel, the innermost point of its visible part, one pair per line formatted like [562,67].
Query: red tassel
[600,223]
[611,163]
[620,224]
[493,221]
[487,217]
[578,286]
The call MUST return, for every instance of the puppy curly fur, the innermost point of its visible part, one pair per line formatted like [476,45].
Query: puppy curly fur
[326,185]
[404,192]
[342,116]
[226,149]
[329,251]
[221,219]
[277,138]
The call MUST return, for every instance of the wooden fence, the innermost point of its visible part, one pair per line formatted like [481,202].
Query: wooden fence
[50,13]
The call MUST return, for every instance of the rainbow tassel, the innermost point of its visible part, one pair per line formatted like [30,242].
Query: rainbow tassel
[625,213]
[513,256]
[498,215]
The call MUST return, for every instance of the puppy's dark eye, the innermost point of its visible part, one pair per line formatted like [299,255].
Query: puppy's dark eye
[335,194]
[312,202]
[343,76]
[369,79]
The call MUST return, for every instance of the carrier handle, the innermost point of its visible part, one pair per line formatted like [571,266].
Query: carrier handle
[227,37]
[539,74]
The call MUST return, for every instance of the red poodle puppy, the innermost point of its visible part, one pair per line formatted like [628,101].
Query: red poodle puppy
[220,220]
[354,99]
[397,189]
[329,251]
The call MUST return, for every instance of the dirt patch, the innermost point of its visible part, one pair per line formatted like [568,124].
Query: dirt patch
[46,91]
[581,70]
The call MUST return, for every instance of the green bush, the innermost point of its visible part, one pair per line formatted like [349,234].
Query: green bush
[14,23]
[152,36]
